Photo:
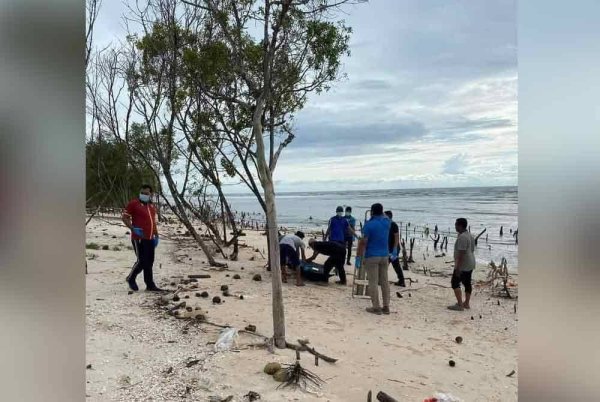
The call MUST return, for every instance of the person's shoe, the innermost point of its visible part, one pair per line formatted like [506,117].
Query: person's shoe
[401,284]
[385,310]
[456,307]
[373,310]
[155,289]
[132,285]
[341,283]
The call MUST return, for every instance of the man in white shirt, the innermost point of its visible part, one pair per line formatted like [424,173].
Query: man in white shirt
[464,263]
[290,246]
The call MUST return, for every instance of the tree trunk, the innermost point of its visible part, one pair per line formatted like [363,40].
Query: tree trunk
[266,180]
[269,268]
[272,235]
[182,215]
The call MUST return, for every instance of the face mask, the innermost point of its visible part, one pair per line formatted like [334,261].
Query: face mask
[348,213]
[340,214]
[144,197]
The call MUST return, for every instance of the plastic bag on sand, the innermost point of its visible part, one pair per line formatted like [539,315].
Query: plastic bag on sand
[439,397]
[226,340]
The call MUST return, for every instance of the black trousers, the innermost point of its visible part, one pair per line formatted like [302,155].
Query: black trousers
[348,249]
[398,270]
[337,261]
[144,251]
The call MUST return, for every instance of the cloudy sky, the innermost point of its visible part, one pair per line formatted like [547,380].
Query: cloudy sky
[430,100]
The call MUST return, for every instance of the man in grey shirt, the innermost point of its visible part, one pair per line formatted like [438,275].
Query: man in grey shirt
[464,263]
[289,248]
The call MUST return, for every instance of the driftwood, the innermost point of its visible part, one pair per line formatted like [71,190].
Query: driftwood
[499,275]
[298,377]
[479,235]
[404,257]
[302,347]
[435,239]
[412,245]
[198,276]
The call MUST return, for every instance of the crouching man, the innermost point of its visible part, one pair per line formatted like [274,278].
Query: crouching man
[289,248]
[336,252]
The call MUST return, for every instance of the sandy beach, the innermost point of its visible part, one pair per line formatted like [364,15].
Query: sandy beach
[137,352]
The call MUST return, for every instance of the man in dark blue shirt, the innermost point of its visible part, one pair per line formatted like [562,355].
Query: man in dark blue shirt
[338,227]
[337,231]
[349,236]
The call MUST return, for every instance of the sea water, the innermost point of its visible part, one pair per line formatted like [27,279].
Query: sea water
[484,207]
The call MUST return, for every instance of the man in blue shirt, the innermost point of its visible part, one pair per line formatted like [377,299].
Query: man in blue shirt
[338,227]
[349,237]
[337,231]
[375,239]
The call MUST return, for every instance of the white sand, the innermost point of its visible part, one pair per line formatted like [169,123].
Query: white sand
[404,354]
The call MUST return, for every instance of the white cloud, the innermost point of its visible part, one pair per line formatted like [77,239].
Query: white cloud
[456,164]
[428,84]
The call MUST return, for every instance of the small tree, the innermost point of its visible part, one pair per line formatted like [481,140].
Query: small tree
[299,51]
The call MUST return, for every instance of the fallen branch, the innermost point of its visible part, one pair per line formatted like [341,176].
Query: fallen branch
[306,348]
[441,286]
[303,347]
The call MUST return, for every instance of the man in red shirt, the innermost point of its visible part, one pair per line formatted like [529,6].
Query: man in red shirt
[140,217]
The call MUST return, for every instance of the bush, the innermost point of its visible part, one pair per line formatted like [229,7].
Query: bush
[92,246]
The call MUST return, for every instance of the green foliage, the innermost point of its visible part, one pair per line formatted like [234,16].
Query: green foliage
[327,42]
[228,167]
[163,44]
[209,64]
[112,177]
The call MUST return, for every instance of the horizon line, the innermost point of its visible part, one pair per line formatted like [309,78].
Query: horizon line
[382,189]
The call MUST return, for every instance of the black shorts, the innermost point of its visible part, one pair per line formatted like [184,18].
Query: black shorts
[288,256]
[464,278]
